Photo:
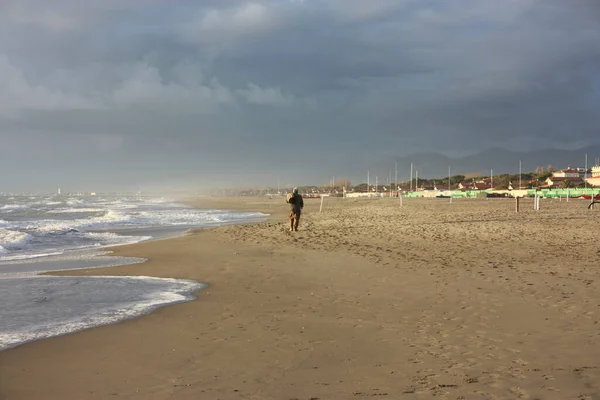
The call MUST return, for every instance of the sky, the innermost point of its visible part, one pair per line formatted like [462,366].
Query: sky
[143,94]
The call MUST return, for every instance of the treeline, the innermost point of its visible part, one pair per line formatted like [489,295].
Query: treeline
[501,182]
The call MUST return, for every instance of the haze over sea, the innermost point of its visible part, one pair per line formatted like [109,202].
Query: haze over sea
[48,233]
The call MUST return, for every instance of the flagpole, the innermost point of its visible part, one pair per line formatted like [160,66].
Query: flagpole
[396,177]
[417,180]
[411,175]
[520,173]
[449,185]
[585,174]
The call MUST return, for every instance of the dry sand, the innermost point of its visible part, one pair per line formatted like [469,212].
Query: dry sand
[454,301]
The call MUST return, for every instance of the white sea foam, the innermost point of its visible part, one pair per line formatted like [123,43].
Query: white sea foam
[108,239]
[42,307]
[10,207]
[13,240]
[74,202]
[73,260]
[143,219]
[81,241]
[42,234]
[74,210]
[58,226]
[28,256]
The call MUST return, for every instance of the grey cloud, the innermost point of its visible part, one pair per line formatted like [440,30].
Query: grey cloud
[234,85]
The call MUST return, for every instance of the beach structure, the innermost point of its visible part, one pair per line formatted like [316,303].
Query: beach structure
[570,177]
[594,180]
[480,185]
[561,181]
[566,173]
[364,194]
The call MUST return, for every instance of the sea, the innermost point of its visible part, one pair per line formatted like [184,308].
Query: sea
[50,233]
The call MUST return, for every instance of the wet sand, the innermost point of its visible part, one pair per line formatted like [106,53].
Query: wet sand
[453,301]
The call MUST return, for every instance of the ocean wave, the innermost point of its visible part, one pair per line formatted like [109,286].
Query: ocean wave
[13,240]
[19,257]
[96,301]
[20,248]
[117,219]
[106,239]
[15,207]
[74,210]
[110,218]
[67,227]
[73,202]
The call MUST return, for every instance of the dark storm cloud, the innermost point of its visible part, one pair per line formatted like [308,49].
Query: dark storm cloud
[233,85]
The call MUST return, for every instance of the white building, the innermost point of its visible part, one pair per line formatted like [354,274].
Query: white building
[567,173]
[594,180]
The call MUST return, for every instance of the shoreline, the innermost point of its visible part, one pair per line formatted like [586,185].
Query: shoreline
[105,257]
[103,317]
[368,299]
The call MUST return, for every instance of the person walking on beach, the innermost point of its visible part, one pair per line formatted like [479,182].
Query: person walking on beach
[296,205]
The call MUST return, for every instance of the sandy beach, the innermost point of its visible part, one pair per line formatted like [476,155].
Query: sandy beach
[468,300]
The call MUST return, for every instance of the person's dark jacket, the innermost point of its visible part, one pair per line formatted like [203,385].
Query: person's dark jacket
[296,202]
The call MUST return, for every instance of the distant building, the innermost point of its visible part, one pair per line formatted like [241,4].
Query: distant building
[480,185]
[572,173]
[364,194]
[567,173]
[569,181]
[594,180]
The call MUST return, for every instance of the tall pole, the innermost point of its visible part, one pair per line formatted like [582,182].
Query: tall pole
[492,178]
[417,180]
[368,183]
[376,184]
[411,175]
[585,174]
[396,177]
[519,174]
[449,185]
